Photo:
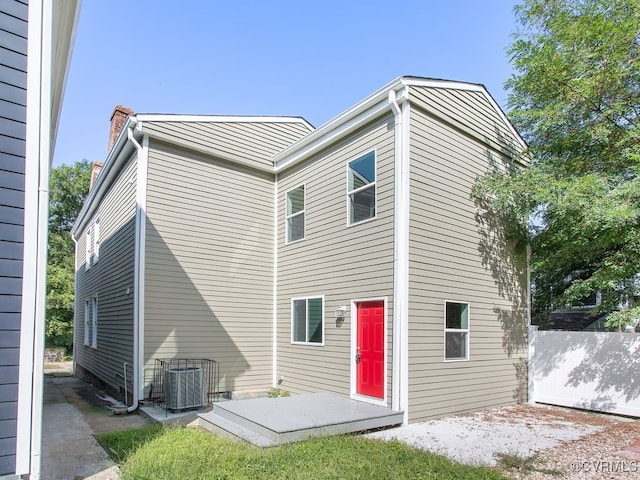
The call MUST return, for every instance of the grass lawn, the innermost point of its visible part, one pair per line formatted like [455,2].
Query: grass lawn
[186,453]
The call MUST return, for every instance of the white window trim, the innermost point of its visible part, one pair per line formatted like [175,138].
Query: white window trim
[87,248]
[307,298]
[87,322]
[287,217]
[465,330]
[364,187]
[94,321]
[96,240]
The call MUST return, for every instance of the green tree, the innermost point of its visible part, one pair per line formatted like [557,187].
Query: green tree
[575,98]
[69,186]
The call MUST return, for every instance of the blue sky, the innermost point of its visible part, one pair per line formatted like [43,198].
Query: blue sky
[308,58]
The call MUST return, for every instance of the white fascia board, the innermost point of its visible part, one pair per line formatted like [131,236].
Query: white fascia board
[112,165]
[64,24]
[337,126]
[159,117]
[334,129]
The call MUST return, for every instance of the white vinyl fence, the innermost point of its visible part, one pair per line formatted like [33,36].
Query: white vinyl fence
[591,370]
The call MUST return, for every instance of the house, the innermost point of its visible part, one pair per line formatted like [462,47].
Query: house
[347,259]
[35,46]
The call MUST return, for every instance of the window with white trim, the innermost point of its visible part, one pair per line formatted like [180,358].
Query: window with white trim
[87,322]
[94,321]
[307,320]
[96,240]
[88,244]
[456,331]
[361,188]
[295,214]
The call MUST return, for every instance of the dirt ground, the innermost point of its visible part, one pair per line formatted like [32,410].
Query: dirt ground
[90,401]
[534,442]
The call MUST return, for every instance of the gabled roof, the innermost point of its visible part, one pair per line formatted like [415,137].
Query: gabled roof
[378,103]
[272,144]
[260,138]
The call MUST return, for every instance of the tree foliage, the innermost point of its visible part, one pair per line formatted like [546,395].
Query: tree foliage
[575,98]
[69,186]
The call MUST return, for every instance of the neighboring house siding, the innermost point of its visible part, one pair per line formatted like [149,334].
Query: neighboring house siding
[209,266]
[250,141]
[342,263]
[13,83]
[111,279]
[453,257]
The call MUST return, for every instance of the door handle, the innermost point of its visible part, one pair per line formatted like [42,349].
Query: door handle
[357,358]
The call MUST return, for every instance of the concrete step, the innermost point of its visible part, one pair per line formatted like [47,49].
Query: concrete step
[229,429]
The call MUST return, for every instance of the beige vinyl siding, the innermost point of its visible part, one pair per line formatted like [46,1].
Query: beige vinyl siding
[252,141]
[209,266]
[342,263]
[446,252]
[109,279]
[471,111]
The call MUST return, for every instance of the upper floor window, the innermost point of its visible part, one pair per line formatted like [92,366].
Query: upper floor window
[88,248]
[361,191]
[92,244]
[295,214]
[96,240]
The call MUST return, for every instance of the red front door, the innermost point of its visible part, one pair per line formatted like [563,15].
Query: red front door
[370,349]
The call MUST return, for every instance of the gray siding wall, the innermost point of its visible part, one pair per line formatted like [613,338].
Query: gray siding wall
[342,263]
[13,93]
[209,266]
[251,141]
[453,257]
[109,279]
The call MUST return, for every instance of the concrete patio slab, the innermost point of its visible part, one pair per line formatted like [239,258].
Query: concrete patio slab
[274,421]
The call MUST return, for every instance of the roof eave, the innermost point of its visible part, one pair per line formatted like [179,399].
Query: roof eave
[338,126]
[112,163]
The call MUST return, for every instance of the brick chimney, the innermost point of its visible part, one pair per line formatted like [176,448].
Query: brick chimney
[95,170]
[118,119]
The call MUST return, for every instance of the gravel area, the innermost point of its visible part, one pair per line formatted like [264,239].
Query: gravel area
[558,442]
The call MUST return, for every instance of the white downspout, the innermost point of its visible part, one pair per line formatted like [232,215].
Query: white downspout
[274,333]
[137,303]
[400,383]
[75,290]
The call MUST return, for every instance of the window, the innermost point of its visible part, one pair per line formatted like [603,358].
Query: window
[96,240]
[92,244]
[87,322]
[88,249]
[91,322]
[295,214]
[456,332]
[94,323]
[307,320]
[361,189]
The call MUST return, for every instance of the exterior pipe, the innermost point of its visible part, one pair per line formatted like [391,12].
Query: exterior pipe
[126,396]
[136,306]
[399,384]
